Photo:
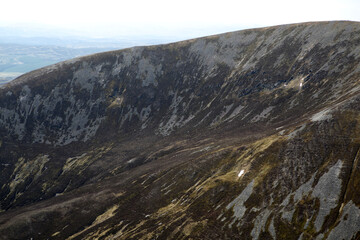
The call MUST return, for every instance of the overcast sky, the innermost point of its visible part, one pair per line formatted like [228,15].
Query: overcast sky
[187,18]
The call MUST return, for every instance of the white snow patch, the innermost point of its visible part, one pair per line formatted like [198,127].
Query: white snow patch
[241,173]
[131,160]
[296,83]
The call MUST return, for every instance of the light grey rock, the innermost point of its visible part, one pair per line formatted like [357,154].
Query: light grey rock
[328,191]
[238,203]
[349,224]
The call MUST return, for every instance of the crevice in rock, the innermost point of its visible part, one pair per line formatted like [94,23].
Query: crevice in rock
[344,198]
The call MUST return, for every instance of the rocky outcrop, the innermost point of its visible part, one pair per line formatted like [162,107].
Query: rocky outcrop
[251,135]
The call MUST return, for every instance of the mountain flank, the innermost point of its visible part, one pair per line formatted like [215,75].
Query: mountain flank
[252,134]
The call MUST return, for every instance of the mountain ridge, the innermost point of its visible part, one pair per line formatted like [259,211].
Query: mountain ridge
[248,134]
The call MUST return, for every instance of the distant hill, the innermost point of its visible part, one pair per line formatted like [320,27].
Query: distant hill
[17,59]
[21,53]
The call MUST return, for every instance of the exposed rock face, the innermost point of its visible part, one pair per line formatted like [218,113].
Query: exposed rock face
[246,135]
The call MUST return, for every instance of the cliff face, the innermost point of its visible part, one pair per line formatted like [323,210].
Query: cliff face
[250,134]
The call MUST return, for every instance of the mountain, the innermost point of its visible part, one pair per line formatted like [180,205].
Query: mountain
[245,135]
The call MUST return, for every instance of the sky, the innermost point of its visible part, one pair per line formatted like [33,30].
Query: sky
[186,18]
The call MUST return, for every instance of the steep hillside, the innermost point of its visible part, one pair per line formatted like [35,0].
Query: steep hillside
[246,135]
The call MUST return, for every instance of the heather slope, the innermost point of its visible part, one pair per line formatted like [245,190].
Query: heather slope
[250,134]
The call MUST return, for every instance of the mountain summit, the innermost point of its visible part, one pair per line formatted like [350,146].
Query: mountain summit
[245,135]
